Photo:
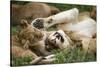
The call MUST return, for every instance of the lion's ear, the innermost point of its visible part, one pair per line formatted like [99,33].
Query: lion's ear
[24,23]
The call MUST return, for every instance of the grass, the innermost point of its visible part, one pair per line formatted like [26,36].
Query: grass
[73,56]
[14,30]
[19,61]
[62,57]
[63,7]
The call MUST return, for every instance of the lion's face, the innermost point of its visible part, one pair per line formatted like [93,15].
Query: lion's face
[55,39]
[30,33]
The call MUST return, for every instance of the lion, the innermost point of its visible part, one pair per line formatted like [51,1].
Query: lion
[84,31]
[31,11]
[77,26]
[30,38]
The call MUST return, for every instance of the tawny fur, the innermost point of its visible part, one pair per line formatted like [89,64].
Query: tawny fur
[31,11]
[89,45]
[28,37]
[93,13]
[55,42]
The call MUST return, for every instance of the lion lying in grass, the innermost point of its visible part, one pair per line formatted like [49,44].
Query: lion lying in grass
[28,38]
[78,27]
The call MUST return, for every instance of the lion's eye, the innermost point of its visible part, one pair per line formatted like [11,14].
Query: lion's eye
[58,36]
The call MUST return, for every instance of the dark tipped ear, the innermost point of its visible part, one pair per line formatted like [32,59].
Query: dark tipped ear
[24,23]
